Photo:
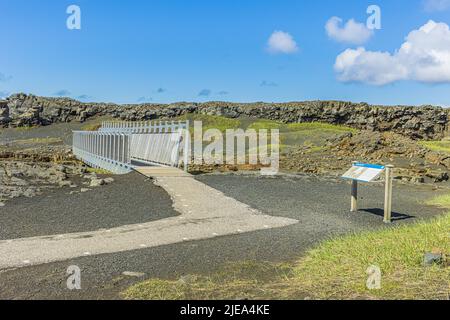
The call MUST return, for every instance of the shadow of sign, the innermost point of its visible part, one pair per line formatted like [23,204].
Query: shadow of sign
[395,215]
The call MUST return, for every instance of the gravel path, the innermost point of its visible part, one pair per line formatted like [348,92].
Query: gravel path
[321,206]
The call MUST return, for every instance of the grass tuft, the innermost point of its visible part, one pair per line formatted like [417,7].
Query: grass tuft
[212,122]
[39,141]
[337,268]
[438,146]
[308,126]
[97,171]
[442,201]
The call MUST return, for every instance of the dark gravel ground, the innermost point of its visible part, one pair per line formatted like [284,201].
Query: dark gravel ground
[321,206]
[130,199]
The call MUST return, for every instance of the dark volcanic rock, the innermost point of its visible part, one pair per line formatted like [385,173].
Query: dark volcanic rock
[425,122]
[430,259]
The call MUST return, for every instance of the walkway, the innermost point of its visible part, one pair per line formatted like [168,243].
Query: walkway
[205,213]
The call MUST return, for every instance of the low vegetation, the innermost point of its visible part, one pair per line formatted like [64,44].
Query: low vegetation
[95,123]
[239,280]
[212,122]
[439,146]
[336,269]
[97,171]
[310,135]
[442,201]
[38,141]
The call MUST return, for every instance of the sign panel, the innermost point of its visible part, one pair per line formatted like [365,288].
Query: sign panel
[364,172]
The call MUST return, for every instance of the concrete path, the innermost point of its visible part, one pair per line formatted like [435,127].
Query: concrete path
[155,172]
[205,213]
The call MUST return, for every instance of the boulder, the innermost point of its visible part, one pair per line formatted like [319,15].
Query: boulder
[96,183]
[430,259]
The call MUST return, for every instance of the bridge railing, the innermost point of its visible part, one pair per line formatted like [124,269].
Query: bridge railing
[143,126]
[119,146]
[109,151]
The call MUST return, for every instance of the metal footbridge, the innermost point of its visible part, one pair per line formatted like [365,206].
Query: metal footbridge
[120,147]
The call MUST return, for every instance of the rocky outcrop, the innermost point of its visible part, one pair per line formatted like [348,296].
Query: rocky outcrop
[413,162]
[425,122]
[30,172]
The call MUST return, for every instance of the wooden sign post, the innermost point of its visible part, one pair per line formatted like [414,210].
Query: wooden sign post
[354,200]
[388,194]
[364,172]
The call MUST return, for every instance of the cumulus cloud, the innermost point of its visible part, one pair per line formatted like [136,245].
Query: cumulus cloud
[281,42]
[268,84]
[62,93]
[144,99]
[423,57]
[351,32]
[204,93]
[84,97]
[436,5]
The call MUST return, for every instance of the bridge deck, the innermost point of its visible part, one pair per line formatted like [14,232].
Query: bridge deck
[154,172]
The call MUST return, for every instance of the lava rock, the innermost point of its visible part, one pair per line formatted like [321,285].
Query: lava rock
[430,259]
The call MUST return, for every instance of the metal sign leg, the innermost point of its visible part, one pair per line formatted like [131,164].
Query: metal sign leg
[388,195]
[354,203]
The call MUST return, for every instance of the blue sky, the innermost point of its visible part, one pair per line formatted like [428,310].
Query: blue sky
[167,50]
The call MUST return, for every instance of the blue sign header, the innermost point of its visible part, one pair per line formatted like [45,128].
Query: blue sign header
[367,165]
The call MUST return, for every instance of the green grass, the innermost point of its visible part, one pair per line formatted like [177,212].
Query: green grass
[439,146]
[212,122]
[38,141]
[318,126]
[311,135]
[97,171]
[266,124]
[336,269]
[442,201]
[95,123]
[232,281]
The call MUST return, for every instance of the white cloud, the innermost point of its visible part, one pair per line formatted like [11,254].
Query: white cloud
[281,42]
[62,93]
[352,32]
[436,5]
[423,57]
[204,93]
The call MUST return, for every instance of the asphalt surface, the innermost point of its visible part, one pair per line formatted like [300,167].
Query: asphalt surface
[321,206]
[130,199]
[205,213]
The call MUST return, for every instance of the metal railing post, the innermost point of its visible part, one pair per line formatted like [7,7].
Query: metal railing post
[187,147]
